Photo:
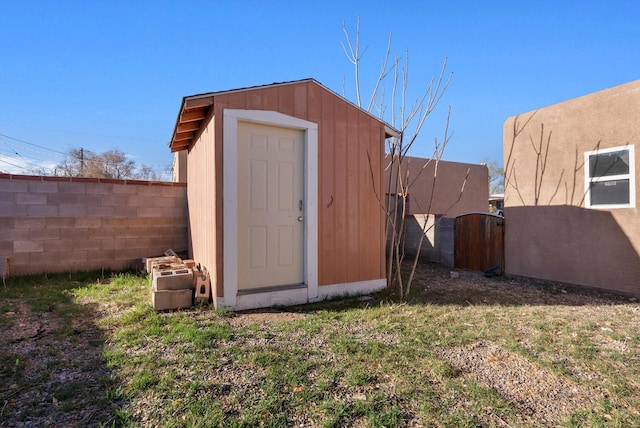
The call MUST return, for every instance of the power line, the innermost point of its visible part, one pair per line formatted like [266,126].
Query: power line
[13,164]
[31,144]
[28,157]
[25,164]
[14,151]
[32,150]
[159,170]
[65,154]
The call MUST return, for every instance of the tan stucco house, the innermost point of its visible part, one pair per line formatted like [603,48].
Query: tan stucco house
[571,191]
[453,189]
[280,193]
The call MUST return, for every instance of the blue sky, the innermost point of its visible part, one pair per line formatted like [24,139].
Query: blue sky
[111,74]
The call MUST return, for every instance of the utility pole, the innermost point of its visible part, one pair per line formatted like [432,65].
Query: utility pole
[81,161]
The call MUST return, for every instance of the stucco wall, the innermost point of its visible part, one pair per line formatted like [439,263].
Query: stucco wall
[447,196]
[550,234]
[56,224]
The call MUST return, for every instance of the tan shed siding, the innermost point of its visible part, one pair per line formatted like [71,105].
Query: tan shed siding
[369,206]
[201,195]
[300,106]
[333,263]
[349,211]
[382,244]
[314,104]
[354,216]
[364,187]
[218,244]
[550,234]
[329,156]
[348,249]
[286,100]
[350,220]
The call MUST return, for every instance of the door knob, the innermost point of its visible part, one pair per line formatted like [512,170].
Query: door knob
[300,218]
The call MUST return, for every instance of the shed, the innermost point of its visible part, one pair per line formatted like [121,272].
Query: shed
[280,188]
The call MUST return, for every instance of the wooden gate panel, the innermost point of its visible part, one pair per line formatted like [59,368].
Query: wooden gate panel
[479,242]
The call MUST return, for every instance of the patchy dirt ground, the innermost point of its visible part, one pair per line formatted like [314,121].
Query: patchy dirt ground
[542,397]
[51,373]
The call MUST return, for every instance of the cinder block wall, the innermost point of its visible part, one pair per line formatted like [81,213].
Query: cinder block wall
[60,224]
[437,244]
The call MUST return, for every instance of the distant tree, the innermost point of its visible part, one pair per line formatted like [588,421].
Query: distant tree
[73,164]
[110,164]
[115,165]
[145,172]
[496,176]
[41,170]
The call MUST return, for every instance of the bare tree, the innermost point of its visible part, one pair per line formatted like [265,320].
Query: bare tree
[145,172]
[115,165]
[85,163]
[496,176]
[73,164]
[409,119]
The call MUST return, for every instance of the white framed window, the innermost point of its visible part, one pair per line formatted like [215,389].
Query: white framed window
[609,178]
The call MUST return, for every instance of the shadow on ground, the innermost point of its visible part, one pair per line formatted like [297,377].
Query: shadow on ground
[435,284]
[438,285]
[52,371]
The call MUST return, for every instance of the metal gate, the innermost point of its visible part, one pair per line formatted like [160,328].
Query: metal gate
[479,242]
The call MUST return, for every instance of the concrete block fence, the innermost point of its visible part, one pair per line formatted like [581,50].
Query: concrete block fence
[61,224]
[438,241]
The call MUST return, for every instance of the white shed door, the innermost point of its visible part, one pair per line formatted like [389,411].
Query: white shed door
[270,206]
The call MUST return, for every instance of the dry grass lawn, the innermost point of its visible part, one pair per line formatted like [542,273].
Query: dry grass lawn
[467,351]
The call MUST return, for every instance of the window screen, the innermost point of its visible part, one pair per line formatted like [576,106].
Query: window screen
[606,164]
[610,192]
[609,178]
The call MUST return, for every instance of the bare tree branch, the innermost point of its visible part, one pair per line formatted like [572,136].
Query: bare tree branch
[437,156]
[384,72]
[354,56]
[396,204]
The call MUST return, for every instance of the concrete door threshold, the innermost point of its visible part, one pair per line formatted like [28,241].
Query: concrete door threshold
[271,289]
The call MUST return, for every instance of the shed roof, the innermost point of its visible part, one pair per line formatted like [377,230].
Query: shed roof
[195,109]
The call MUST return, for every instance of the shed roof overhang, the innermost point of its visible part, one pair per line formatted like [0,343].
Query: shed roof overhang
[196,109]
[193,112]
